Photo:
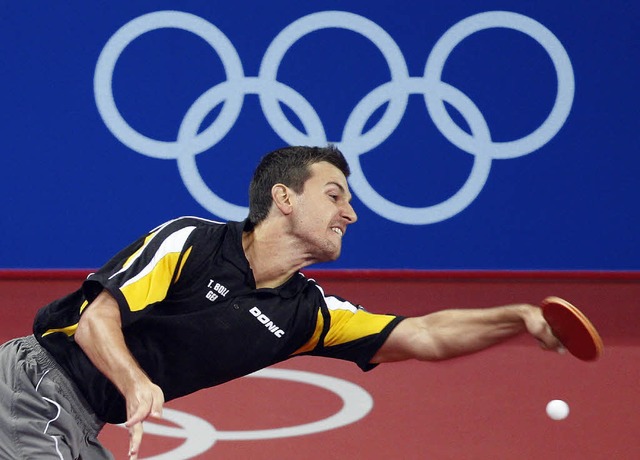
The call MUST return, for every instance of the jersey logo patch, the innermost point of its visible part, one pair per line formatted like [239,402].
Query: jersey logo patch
[264,319]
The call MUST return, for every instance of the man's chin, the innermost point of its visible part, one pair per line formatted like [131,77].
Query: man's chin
[336,254]
[334,257]
[330,255]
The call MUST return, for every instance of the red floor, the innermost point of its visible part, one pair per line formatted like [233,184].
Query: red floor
[486,406]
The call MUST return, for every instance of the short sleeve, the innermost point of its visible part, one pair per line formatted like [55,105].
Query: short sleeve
[141,274]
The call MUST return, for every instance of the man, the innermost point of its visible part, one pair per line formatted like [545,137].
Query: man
[195,303]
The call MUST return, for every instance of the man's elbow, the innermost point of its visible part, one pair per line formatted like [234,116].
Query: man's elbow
[83,331]
[433,352]
[102,313]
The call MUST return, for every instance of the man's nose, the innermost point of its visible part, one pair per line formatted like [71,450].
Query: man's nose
[349,213]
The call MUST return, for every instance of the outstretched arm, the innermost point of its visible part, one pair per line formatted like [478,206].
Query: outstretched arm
[99,334]
[450,333]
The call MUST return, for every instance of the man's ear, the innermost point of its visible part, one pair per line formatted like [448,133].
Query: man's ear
[281,195]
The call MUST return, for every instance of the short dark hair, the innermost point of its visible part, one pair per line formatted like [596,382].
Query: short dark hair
[289,166]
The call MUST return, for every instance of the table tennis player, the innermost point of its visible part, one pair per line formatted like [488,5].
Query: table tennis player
[195,303]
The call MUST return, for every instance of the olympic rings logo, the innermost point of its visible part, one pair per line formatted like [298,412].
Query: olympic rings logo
[354,141]
[200,435]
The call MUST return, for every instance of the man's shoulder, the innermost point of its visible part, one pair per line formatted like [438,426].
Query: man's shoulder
[304,286]
[191,221]
[197,226]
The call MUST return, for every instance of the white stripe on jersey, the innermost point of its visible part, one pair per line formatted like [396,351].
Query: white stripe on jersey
[334,303]
[161,226]
[137,255]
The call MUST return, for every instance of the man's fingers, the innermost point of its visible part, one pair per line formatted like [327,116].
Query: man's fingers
[540,329]
[143,402]
[157,403]
[135,438]
[151,406]
[156,409]
[140,414]
[556,346]
[553,343]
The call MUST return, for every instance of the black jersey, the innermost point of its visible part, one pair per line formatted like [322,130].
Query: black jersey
[193,318]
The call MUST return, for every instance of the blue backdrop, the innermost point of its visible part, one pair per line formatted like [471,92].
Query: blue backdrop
[482,135]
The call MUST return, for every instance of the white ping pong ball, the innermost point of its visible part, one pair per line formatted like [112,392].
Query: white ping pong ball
[557,409]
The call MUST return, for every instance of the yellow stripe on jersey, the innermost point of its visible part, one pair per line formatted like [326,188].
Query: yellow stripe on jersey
[313,341]
[347,325]
[69,330]
[145,290]
[184,260]
[152,282]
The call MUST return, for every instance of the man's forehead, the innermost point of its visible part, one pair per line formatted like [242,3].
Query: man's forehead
[328,173]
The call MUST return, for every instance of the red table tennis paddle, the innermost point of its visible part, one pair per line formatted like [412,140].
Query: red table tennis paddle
[572,328]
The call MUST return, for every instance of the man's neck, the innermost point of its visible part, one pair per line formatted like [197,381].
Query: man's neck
[272,254]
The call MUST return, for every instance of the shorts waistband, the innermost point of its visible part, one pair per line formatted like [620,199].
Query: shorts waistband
[69,390]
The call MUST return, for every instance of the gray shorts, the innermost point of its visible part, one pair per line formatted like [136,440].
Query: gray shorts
[42,414]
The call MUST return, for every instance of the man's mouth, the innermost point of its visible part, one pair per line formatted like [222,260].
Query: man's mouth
[337,230]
